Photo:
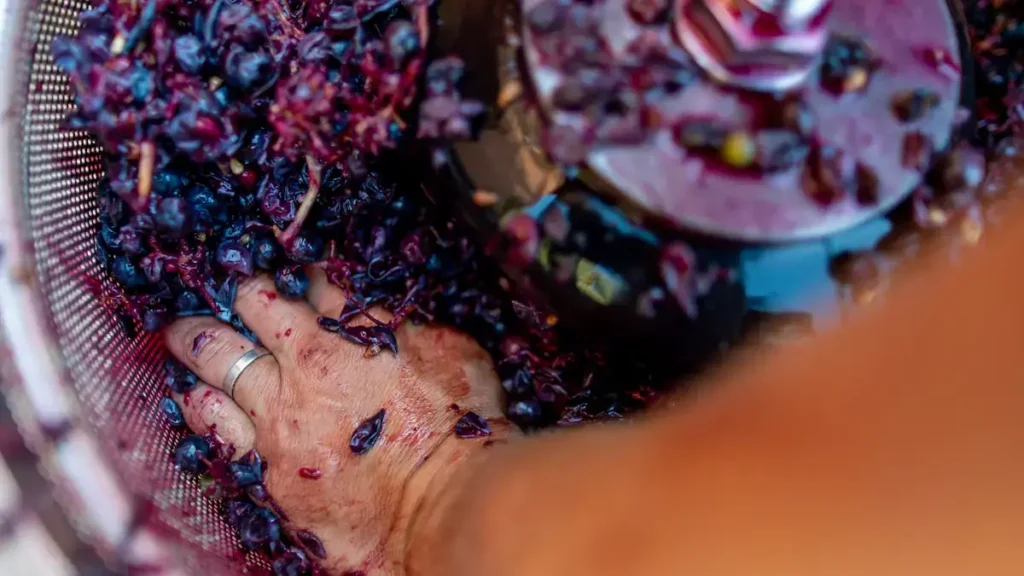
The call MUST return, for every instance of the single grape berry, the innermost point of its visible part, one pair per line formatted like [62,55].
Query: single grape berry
[188,53]
[265,251]
[173,216]
[520,384]
[130,240]
[238,510]
[154,318]
[188,303]
[291,563]
[192,454]
[306,249]
[292,282]
[234,257]
[526,413]
[178,378]
[171,412]
[153,267]
[110,237]
[258,528]
[403,42]
[245,473]
[127,273]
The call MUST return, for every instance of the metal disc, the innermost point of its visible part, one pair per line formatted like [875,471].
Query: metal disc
[916,46]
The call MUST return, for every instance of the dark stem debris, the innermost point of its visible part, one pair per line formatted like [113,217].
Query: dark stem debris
[471,425]
[375,338]
[366,434]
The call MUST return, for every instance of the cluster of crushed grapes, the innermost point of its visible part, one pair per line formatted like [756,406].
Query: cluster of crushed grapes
[611,100]
[245,137]
[996,30]
[248,507]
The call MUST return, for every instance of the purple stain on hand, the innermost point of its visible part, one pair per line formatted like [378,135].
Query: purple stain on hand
[200,342]
[471,425]
[310,473]
[367,434]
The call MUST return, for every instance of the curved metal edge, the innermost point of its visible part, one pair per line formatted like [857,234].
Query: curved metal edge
[33,378]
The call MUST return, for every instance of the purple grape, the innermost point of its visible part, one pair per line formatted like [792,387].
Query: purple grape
[130,239]
[234,257]
[266,252]
[203,204]
[526,413]
[245,70]
[238,510]
[258,528]
[306,249]
[292,563]
[171,412]
[110,237]
[258,493]
[520,384]
[178,378]
[154,318]
[153,267]
[292,282]
[173,216]
[403,42]
[127,272]
[377,338]
[188,303]
[188,53]
[247,470]
[192,454]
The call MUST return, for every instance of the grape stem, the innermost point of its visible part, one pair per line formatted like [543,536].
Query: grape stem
[286,21]
[147,161]
[422,23]
[315,173]
[362,310]
[387,113]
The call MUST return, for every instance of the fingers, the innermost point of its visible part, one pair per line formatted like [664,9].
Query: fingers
[327,299]
[209,348]
[208,409]
[276,320]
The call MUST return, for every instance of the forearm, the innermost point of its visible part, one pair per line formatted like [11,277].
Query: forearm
[890,447]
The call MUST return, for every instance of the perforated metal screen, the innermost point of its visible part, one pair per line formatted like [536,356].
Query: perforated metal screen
[117,379]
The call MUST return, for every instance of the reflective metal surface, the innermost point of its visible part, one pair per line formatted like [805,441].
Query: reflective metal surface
[600,233]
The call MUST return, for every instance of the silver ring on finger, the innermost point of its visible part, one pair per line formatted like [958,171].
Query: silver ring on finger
[239,366]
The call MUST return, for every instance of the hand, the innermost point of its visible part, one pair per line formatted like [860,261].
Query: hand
[299,408]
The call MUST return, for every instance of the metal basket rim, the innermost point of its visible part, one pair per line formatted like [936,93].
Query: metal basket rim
[33,368]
